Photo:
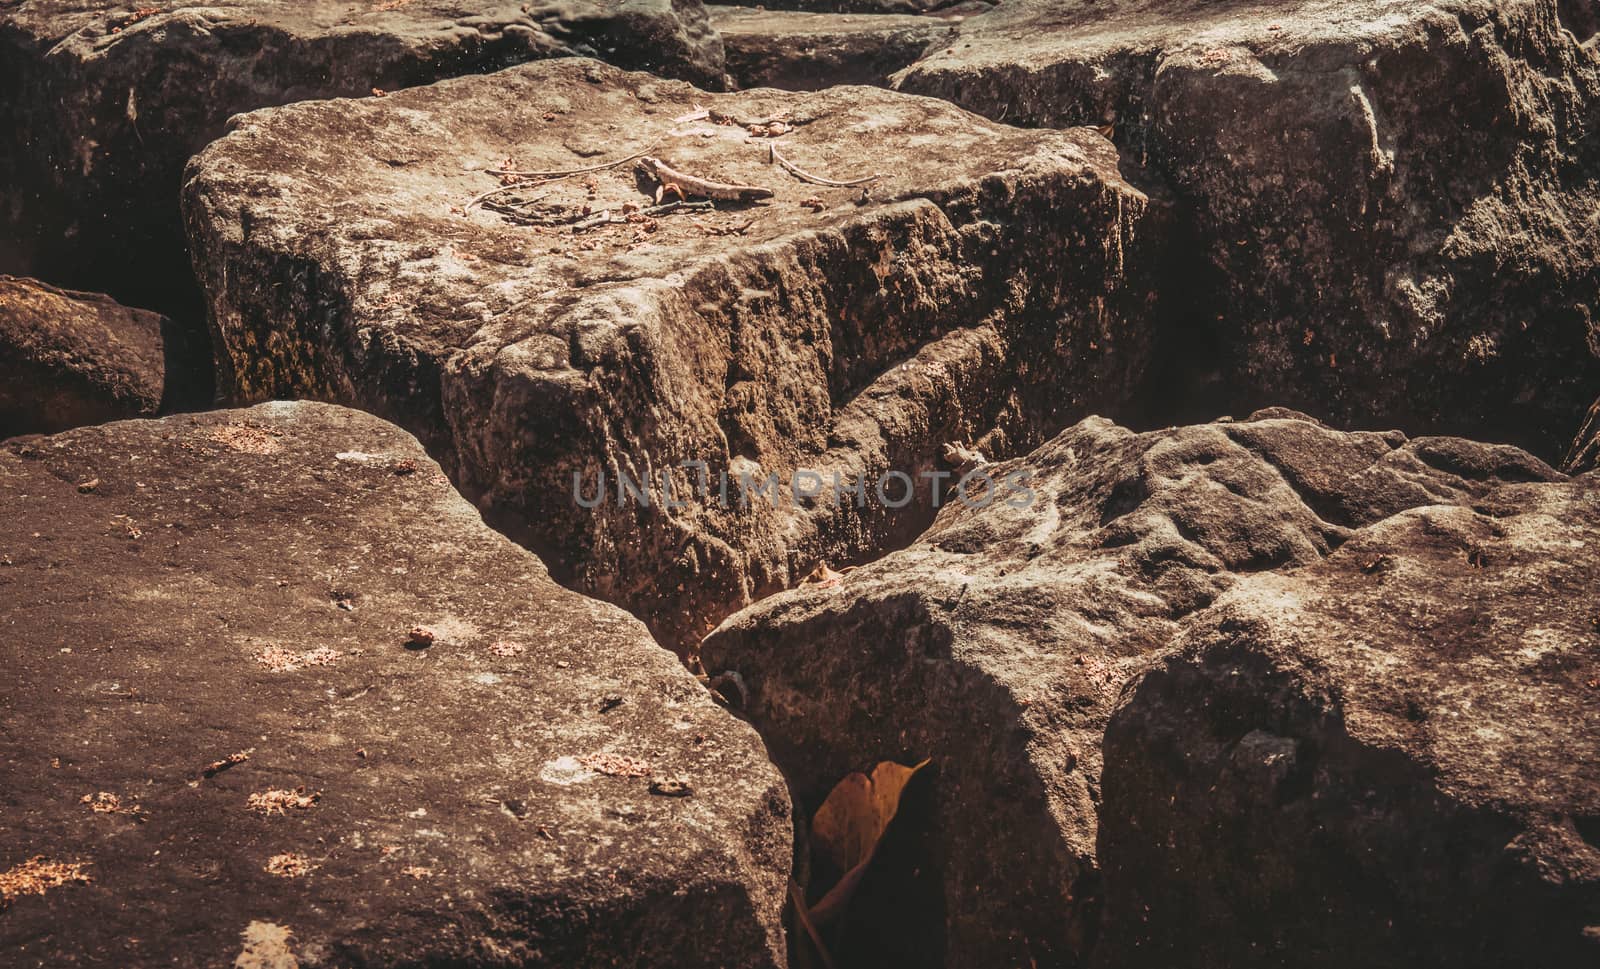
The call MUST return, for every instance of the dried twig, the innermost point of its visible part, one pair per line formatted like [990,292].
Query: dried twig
[805,176]
[551,176]
[610,217]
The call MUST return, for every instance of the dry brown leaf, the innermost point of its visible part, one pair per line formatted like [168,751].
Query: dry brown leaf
[823,577]
[38,875]
[849,825]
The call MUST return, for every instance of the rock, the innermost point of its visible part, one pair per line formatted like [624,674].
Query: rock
[209,704]
[69,358]
[996,645]
[1584,455]
[991,286]
[1388,758]
[804,51]
[885,7]
[1390,202]
[105,103]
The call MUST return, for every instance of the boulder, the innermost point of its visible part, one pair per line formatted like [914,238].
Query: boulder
[1390,202]
[105,103]
[69,358]
[1584,455]
[996,645]
[275,696]
[804,51]
[990,286]
[1386,759]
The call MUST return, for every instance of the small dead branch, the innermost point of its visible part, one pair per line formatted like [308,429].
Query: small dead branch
[611,217]
[805,176]
[218,766]
[570,172]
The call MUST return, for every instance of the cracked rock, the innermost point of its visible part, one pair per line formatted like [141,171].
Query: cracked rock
[105,103]
[804,51]
[996,645]
[1340,766]
[1392,201]
[430,807]
[994,285]
[69,358]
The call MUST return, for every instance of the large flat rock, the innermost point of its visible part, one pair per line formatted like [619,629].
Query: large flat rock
[1389,758]
[801,50]
[176,592]
[990,287]
[1391,201]
[70,358]
[997,643]
[105,102]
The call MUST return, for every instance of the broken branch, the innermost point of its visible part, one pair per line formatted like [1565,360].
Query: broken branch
[805,176]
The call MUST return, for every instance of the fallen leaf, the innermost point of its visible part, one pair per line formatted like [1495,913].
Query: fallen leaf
[38,875]
[849,825]
[266,946]
[822,577]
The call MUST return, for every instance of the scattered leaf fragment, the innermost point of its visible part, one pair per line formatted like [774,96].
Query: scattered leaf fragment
[38,875]
[615,765]
[279,800]
[505,648]
[288,865]
[417,871]
[266,946]
[105,802]
[247,438]
[279,659]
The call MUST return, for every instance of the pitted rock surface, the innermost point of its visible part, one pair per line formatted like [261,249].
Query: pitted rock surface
[1385,759]
[990,287]
[997,643]
[177,592]
[1390,202]
[105,101]
[804,51]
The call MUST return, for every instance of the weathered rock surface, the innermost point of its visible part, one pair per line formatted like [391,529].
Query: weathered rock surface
[105,103]
[997,643]
[174,592]
[69,358]
[990,287]
[1584,455]
[804,51]
[1389,758]
[1391,201]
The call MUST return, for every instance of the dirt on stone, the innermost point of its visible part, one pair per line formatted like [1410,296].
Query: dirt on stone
[990,285]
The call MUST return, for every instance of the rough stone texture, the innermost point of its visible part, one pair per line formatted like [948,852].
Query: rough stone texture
[69,358]
[456,824]
[997,643]
[1584,455]
[105,102]
[1391,201]
[1359,764]
[889,7]
[992,287]
[804,51]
